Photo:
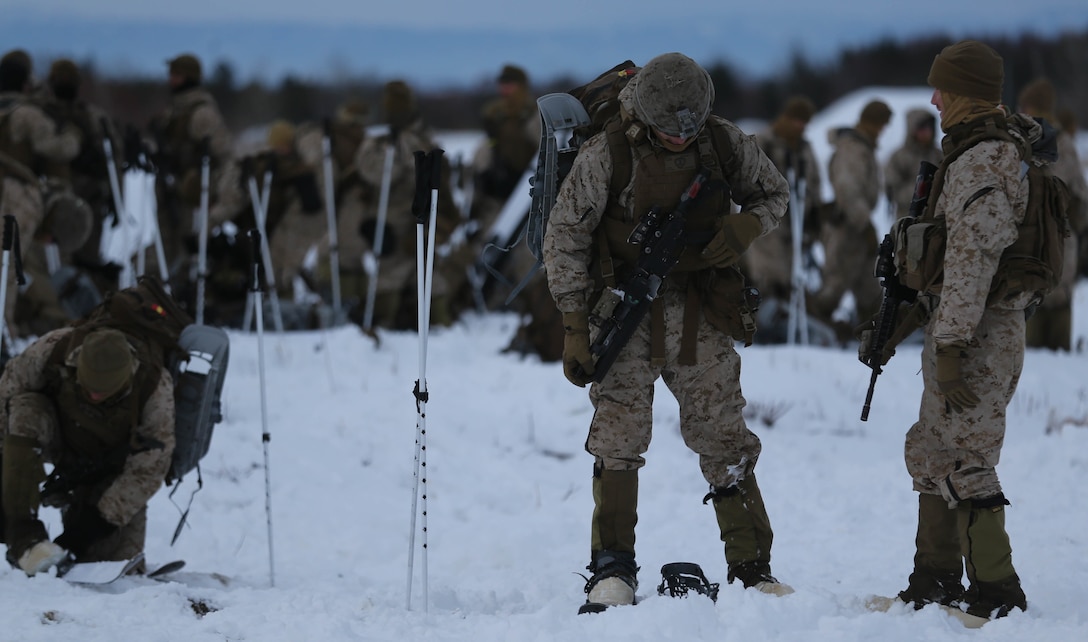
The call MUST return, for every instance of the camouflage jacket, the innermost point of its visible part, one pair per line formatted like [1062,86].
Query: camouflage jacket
[978,231]
[31,137]
[583,199]
[854,175]
[192,116]
[144,468]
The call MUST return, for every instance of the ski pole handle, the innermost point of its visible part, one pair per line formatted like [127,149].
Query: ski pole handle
[256,281]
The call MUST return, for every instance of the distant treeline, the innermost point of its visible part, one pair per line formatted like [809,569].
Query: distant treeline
[888,62]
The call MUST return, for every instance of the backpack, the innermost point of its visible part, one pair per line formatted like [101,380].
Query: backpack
[166,337]
[1032,264]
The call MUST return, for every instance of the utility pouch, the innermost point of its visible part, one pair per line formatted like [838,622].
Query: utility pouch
[728,304]
[919,252]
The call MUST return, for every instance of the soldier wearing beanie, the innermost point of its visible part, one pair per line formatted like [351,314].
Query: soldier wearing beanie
[79,400]
[848,234]
[1052,324]
[973,350]
[770,263]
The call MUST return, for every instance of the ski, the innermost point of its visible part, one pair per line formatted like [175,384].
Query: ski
[97,573]
[166,569]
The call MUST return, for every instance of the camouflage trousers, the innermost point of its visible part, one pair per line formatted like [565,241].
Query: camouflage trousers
[955,454]
[708,393]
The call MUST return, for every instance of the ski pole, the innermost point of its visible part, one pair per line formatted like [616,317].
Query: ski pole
[10,243]
[424,204]
[202,231]
[256,287]
[330,212]
[379,234]
[797,323]
[115,183]
[259,199]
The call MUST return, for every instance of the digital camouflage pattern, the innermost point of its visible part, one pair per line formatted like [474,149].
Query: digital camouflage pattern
[708,392]
[26,411]
[955,454]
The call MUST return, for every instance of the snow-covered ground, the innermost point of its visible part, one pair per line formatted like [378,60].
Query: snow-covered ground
[508,504]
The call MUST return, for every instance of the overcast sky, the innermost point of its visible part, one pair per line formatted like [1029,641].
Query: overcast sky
[464,40]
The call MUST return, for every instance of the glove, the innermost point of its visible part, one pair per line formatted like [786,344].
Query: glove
[83,527]
[577,360]
[864,334]
[733,238]
[950,379]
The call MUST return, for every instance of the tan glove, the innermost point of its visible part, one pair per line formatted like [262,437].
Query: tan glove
[733,238]
[950,379]
[577,360]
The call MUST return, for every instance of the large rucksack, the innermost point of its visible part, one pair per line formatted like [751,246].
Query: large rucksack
[196,357]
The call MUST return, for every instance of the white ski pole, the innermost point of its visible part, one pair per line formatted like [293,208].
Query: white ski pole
[330,212]
[10,243]
[115,183]
[202,231]
[256,287]
[798,314]
[259,199]
[379,235]
[424,205]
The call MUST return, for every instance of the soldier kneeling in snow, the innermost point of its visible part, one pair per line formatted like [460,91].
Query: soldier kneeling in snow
[100,408]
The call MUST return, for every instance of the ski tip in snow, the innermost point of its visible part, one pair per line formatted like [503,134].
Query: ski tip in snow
[166,569]
[98,573]
[883,604]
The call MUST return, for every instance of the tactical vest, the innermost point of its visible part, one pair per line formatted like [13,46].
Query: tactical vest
[1032,264]
[660,177]
[184,152]
[97,438]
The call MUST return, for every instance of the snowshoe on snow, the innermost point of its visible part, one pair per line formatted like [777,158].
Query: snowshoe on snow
[678,578]
[613,582]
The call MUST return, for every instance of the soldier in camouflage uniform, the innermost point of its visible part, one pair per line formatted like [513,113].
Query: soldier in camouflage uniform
[397,274]
[30,143]
[350,194]
[179,135]
[974,348]
[848,235]
[668,134]
[1052,324]
[101,410]
[901,170]
[770,262]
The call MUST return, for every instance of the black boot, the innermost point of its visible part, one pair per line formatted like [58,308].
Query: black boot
[938,559]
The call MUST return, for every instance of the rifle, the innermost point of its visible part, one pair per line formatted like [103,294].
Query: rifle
[895,293]
[660,236]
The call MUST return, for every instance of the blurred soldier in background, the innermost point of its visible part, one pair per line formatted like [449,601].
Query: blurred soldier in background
[769,263]
[1052,324]
[848,235]
[190,126]
[397,255]
[347,130]
[30,144]
[901,171]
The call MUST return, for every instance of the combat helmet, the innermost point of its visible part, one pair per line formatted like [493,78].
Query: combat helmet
[672,94]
